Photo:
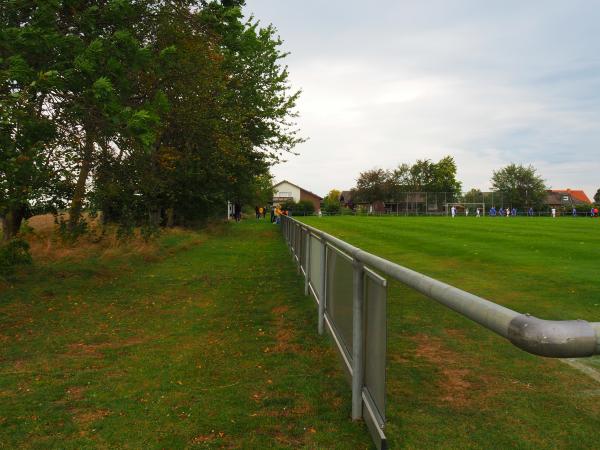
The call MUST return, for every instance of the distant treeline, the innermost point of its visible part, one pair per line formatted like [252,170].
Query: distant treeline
[151,112]
[514,185]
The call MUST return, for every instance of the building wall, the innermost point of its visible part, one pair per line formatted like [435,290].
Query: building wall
[286,190]
[316,201]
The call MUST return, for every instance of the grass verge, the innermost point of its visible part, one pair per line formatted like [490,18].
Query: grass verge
[204,341]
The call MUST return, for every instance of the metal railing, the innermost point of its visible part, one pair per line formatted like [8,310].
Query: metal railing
[351,300]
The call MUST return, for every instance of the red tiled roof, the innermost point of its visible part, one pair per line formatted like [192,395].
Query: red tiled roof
[578,195]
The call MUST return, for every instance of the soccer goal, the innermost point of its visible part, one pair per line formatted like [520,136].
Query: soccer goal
[466,209]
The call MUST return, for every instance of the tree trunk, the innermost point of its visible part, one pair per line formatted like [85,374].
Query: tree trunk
[170,218]
[11,222]
[79,194]
[154,217]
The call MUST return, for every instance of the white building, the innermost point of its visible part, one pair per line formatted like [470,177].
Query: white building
[286,191]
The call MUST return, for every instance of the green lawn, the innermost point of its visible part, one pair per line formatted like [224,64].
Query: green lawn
[452,384]
[206,343]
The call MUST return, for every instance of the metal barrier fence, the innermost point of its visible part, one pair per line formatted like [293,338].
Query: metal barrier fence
[351,301]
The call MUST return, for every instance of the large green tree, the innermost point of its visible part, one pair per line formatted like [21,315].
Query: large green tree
[422,176]
[372,186]
[29,49]
[147,110]
[520,186]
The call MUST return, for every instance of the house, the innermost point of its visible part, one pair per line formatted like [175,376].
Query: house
[561,198]
[285,191]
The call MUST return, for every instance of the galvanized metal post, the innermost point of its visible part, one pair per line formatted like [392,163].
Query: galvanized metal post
[307,259]
[358,348]
[298,249]
[323,292]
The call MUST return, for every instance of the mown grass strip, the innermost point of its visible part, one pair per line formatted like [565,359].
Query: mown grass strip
[452,384]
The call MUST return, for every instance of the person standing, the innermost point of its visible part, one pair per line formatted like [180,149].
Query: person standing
[237,211]
[257,212]
[466,211]
[574,212]
[272,213]
[530,212]
[477,213]
[453,211]
[514,212]
[553,211]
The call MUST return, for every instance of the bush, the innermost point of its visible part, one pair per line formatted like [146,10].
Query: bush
[12,254]
[331,206]
[302,208]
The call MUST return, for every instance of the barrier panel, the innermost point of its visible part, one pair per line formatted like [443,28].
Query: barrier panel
[352,299]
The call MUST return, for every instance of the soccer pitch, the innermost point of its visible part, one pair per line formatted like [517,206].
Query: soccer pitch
[453,384]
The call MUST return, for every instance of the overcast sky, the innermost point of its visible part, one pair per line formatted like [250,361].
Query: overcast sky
[488,82]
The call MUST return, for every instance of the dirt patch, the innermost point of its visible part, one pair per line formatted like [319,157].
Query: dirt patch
[284,333]
[95,350]
[457,385]
[279,310]
[87,417]
[75,392]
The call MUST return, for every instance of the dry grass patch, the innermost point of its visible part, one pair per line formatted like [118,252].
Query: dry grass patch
[457,385]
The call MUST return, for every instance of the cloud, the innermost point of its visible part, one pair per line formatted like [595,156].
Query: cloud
[489,84]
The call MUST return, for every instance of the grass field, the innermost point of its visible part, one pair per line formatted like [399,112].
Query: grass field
[452,384]
[203,340]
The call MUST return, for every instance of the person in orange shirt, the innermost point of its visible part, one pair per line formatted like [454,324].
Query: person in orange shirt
[277,214]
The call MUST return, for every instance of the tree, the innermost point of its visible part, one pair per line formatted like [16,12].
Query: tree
[443,177]
[150,111]
[473,196]
[372,185]
[331,203]
[597,196]
[333,196]
[520,186]
[28,79]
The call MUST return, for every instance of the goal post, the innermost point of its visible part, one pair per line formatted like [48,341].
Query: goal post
[466,208]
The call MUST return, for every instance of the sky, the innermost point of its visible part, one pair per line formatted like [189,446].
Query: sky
[487,82]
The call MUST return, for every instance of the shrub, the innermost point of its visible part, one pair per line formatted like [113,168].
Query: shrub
[12,254]
[302,208]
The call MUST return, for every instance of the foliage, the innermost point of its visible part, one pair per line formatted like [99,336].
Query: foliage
[331,203]
[333,196]
[302,208]
[372,185]
[153,113]
[12,254]
[422,176]
[520,186]
[597,196]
